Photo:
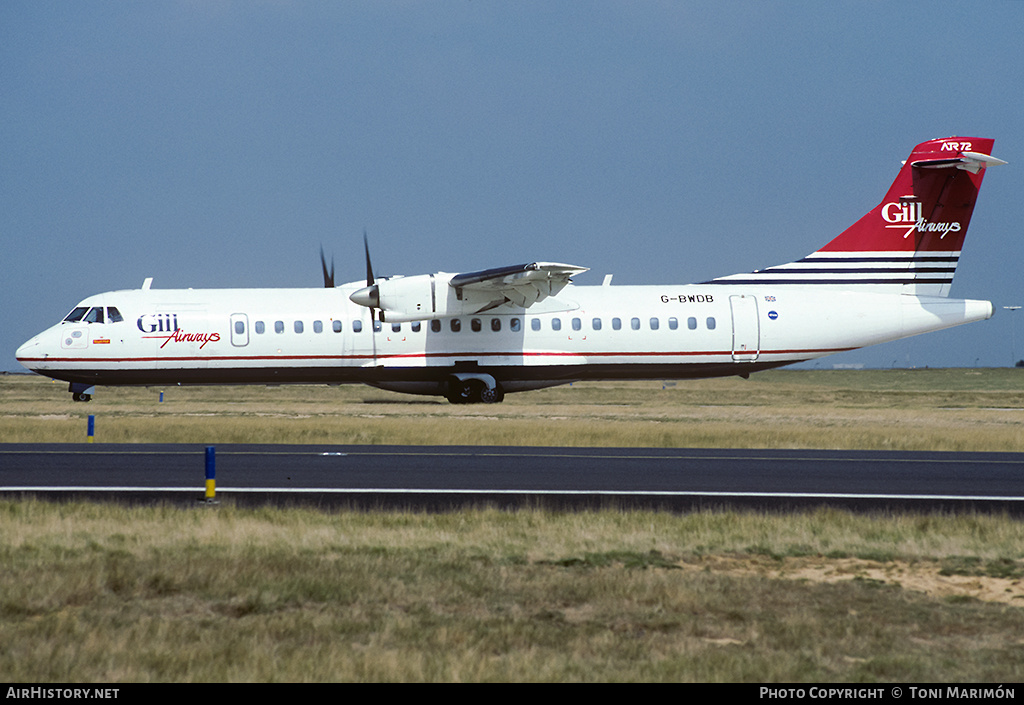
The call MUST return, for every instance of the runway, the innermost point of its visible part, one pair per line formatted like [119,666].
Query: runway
[438,478]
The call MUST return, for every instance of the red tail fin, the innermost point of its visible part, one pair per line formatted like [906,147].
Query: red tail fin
[929,205]
[911,241]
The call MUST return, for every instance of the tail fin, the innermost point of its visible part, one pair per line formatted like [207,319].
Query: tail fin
[911,241]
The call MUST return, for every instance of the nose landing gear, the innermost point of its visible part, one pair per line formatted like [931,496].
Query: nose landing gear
[81,392]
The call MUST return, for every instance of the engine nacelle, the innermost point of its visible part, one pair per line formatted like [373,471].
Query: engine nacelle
[408,298]
[422,297]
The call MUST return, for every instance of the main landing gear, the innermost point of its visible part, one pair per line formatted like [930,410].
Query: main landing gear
[474,389]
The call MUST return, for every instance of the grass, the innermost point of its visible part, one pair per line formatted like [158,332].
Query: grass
[953,409]
[101,593]
[105,593]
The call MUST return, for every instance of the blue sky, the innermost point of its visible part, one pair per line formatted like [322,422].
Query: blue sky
[218,143]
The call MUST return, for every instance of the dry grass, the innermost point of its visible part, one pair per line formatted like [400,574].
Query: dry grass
[888,409]
[105,593]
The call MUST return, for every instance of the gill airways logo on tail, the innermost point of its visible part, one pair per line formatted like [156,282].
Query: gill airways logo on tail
[908,215]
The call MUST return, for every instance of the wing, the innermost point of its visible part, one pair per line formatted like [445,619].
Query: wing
[520,284]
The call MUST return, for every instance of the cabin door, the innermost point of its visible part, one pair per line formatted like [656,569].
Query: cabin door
[359,344]
[746,331]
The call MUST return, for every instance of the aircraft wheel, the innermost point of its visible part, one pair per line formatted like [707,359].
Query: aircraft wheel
[79,396]
[454,398]
[460,393]
[492,396]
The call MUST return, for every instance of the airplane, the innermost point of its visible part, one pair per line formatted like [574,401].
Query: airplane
[473,337]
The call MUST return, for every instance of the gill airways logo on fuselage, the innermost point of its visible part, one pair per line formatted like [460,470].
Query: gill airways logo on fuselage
[167,325]
[908,216]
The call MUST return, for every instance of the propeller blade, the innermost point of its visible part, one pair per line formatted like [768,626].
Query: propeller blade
[328,275]
[369,267]
[369,279]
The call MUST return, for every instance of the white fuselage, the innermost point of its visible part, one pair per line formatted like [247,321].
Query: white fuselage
[302,336]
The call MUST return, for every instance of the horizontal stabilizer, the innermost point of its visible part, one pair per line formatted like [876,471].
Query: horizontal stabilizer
[968,161]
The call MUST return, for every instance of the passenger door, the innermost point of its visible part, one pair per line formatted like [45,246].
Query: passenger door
[746,331]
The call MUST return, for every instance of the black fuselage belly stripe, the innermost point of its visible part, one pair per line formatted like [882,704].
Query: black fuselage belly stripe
[433,373]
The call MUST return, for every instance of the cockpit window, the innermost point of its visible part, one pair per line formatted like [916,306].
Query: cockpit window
[95,315]
[113,315]
[76,315]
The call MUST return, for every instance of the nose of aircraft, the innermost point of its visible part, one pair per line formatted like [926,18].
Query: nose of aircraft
[30,351]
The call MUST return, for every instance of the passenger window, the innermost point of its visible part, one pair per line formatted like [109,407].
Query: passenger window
[113,315]
[336,325]
[673,323]
[95,315]
[711,323]
[514,325]
[415,326]
[596,323]
[634,323]
[318,326]
[260,327]
[691,323]
[655,324]
[616,324]
[357,326]
[76,315]
[279,326]
[377,326]
[475,325]
[239,327]
[298,326]
[435,326]
[456,325]
[496,324]
[396,327]
[535,323]
[556,324]
[577,324]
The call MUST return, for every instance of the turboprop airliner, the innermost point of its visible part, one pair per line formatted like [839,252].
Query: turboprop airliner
[476,336]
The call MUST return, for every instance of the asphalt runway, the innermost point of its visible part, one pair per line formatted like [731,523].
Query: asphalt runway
[438,478]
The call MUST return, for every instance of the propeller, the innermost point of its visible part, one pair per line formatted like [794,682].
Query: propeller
[369,295]
[328,275]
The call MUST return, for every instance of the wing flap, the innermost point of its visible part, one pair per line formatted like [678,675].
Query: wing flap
[520,284]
